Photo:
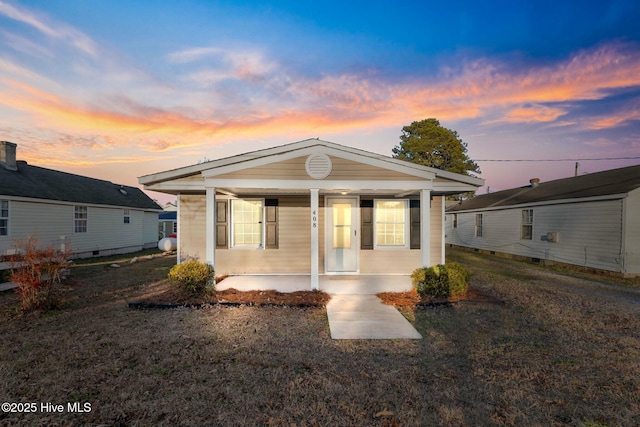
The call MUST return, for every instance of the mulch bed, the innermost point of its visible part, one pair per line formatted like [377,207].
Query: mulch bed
[411,299]
[171,298]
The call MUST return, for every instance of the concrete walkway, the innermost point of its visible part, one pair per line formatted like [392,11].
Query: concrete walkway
[354,311]
[366,317]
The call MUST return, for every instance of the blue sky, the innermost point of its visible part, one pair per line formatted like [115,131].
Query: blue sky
[115,89]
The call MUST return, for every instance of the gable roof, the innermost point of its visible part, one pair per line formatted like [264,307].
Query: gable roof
[301,148]
[607,183]
[41,183]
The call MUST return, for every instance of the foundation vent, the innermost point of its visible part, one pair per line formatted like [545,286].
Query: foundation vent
[318,166]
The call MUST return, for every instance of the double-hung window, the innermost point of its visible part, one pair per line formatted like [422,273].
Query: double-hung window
[80,219]
[526,232]
[391,223]
[4,217]
[127,216]
[478,225]
[246,223]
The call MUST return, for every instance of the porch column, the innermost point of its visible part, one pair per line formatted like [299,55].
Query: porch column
[210,227]
[315,224]
[425,227]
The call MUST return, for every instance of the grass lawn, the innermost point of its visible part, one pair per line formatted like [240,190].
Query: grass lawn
[560,350]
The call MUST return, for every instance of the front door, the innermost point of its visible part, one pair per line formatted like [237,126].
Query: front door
[342,235]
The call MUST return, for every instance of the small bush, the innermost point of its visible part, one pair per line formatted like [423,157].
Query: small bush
[39,274]
[441,281]
[192,277]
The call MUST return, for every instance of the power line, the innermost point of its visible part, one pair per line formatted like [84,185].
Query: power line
[558,160]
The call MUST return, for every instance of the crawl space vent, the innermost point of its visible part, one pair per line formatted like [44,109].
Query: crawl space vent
[318,166]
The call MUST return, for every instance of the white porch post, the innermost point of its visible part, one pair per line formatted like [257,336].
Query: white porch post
[425,227]
[179,228]
[315,224]
[210,227]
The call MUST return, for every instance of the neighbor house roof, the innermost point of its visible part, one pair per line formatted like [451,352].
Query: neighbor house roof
[606,183]
[40,183]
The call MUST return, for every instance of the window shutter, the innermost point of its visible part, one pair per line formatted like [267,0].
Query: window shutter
[366,224]
[271,220]
[414,226]
[222,224]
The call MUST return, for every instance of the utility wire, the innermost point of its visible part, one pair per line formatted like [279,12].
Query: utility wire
[557,160]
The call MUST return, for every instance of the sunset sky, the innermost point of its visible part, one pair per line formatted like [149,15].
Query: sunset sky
[119,89]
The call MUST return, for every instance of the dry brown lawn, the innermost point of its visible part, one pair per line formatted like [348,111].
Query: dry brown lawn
[559,350]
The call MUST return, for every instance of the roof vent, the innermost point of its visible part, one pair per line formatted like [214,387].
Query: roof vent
[8,155]
[534,182]
[318,166]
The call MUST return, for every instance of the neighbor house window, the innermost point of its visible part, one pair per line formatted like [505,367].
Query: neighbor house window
[127,216]
[246,223]
[80,217]
[391,218]
[527,224]
[4,217]
[478,225]
[455,220]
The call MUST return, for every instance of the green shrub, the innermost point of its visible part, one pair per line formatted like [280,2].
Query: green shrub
[441,281]
[458,279]
[193,277]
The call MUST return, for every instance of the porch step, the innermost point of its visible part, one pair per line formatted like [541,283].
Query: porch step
[366,317]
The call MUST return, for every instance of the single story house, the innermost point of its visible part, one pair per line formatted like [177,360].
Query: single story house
[86,216]
[590,220]
[167,224]
[311,208]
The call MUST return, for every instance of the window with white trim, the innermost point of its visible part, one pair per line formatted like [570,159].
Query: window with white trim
[526,232]
[478,225]
[4,217]
[80,219]
[127,216]
[246,223]
[391,219]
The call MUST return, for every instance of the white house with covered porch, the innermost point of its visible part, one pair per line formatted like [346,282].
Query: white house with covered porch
[311,208]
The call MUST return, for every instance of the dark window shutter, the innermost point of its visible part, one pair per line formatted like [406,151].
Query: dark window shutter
[271,221]
[222,224]
[414,224]
[366,224]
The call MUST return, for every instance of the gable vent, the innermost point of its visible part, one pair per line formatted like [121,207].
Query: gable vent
[318,166]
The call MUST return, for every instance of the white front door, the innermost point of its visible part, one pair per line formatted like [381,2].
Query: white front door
[342,235]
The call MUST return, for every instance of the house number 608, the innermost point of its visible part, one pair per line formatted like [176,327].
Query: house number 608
[314,219]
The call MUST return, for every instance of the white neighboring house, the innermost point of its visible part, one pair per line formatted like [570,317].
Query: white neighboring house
[84,215]
[590,220]
[311,208]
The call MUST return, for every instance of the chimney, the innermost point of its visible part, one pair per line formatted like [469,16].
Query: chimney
[534,182]
[8,155]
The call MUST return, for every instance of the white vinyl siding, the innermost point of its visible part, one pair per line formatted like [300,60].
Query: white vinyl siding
[589,233]
[246,223]
[54,225]
[526,232]
[80,219]
[4,217]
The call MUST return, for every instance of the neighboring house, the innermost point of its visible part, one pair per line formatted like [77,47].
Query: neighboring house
[311,207]
[590,220]
[84,215]
[167,224]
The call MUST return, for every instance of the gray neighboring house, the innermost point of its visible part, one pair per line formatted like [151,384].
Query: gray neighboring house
[591,220]
[85,215]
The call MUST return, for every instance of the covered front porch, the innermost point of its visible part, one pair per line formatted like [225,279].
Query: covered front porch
[362,284]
